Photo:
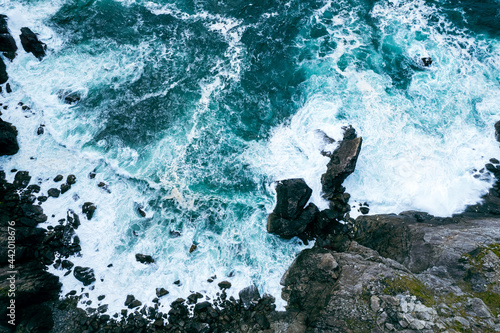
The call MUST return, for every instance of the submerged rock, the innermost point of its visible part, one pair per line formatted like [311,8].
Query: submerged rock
[8,139]
[69,97]
[31,44]
[427,61]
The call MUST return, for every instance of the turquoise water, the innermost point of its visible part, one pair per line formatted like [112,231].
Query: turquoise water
[192,109]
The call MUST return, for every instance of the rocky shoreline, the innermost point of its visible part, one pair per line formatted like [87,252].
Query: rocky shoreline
[411,272]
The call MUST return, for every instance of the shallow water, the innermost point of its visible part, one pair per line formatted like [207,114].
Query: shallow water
[192,109]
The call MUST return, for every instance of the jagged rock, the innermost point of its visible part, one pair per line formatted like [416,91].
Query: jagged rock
[31,44]
[160,292]
[84,275]
[144,259]
[249,295]
[342,163]
[88,209]
[289,218]
[8,139]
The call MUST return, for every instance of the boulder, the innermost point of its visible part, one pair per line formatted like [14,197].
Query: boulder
[88,209]
[341,164]
[8,139]
[249,295]
[295,227]
[224,285]
[84,275]
[144,259]
[31,44]
[289,218]
[497,131]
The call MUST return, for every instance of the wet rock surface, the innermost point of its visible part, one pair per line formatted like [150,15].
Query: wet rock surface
[8,138]
[32,44]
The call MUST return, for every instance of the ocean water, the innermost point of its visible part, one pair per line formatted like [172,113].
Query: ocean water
[191,110]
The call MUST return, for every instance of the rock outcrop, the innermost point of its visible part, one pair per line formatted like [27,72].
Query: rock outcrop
[32,44]
[7,43]
[342,164]
[8,139]
[289,217]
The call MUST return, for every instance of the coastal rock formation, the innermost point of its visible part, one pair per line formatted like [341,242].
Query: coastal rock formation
[342,164]
[8,139]
[289,217]
[7,43]
[31,44]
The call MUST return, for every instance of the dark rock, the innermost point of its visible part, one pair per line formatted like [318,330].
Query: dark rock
[66,264]
[193,298]
[8,139]
[84,275]
[69,97]
[71,179]
[144,259]
[160,292]
[58,178]
[364,210]
[88,209]
[135,303]
[494,161]
[201,306]
[31,44]
[249,295]
[42,198]
[290,228]
[193,248]
[175,233]
[262,320]
[21,179]
[4,77]
[7,43]
[129,300]
[291,197]
[65,188]
[497,130]
[8,89]
[224,285]
[53,192]
[427,61]
[342,163]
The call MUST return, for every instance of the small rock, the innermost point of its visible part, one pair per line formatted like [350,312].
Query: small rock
[427,61]
[58,178]
[144,259]
[375,303]
[129,300]
[84,275]
[53,192]
[40,130]
[193,248]
[88,209]
[65,188]
[224,285]
[364,210]
[160,292]
[71,179]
